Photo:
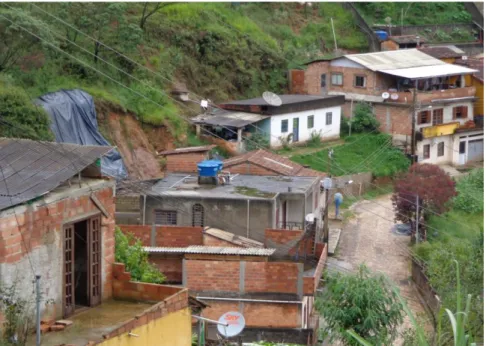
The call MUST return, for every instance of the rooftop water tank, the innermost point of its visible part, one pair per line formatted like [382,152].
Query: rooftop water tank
[382,35]
[209,168]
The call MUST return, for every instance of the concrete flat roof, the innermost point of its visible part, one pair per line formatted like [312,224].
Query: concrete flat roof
[241,187]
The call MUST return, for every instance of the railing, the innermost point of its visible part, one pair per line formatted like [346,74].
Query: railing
[291,226]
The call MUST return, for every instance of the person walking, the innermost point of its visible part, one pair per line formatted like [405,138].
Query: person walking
[338,200]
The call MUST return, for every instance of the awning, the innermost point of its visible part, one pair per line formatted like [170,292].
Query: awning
[230,119]
[424,72]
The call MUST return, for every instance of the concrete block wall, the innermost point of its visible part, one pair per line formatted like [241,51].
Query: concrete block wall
[41,226]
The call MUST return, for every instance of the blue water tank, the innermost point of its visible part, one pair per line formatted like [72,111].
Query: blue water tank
[382,35]
[209,168]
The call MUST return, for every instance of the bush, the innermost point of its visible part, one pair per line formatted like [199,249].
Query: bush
[470,198]
[364,119]
[129,250]
[257,140]
[315,138]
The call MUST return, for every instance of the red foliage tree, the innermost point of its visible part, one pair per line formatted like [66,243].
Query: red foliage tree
[430,183]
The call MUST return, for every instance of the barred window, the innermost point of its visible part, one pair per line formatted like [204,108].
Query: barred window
[165,217]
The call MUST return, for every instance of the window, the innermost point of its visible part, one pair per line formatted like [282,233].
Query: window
[459,112]
[197,215]
[323,80]
[284,127]
[423,117]
[426,151]
[438,116]
[310,121]
[462,147]
[165,217]
[440,149]
[360,81]
[329,118]
[337,79]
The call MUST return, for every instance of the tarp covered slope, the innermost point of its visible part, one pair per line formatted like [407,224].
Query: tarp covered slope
[73,120]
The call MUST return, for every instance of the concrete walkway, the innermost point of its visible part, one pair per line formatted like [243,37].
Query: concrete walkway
[368,238]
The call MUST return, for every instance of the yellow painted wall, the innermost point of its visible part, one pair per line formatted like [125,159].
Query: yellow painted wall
[479,104]
[171,330]
[439,130]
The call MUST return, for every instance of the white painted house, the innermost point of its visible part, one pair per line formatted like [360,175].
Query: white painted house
[297,118]
[450,135]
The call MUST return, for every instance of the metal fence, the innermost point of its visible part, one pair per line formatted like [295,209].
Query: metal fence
[426,291]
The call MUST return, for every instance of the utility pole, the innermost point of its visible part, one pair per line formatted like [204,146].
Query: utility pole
[417,218]
[334,34]
[37,307]
[351,117]
[414,110]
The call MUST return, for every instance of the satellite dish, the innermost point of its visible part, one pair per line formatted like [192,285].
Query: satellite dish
[204,103]
[394,97]
[272,99]
[385,95]
[326,183]
[235,323]
[309,217]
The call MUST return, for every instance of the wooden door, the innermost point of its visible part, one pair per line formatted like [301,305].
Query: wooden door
[94,260]
[68,289]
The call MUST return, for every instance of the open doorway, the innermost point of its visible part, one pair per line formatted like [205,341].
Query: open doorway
[82,265]
[81,289]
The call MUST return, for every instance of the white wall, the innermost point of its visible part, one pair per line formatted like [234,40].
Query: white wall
[463,137]
[447,114]
[434,145]
[328,131]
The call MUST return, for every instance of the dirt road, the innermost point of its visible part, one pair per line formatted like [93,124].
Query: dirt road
[368,238]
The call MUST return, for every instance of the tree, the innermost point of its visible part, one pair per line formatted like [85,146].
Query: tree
[129,250]
[21,118]
[15,42]
[363,119]
[431,184]
[147,12]
[364,302]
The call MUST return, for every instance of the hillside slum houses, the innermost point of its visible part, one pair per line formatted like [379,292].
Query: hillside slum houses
[429,105]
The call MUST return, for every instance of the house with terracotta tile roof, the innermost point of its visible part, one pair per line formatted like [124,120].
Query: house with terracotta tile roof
[264,162]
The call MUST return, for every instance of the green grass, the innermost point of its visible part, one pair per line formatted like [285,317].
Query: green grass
[373,193]
[360,153]
[454,226]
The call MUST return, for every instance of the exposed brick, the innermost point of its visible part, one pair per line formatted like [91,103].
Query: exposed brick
[56,328]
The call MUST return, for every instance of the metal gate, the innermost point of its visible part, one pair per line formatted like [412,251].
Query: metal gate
[475,150]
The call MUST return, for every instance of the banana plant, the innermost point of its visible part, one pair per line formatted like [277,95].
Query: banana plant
[458,322]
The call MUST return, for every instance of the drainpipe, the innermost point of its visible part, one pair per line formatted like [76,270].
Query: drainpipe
[144,208]
[248,218]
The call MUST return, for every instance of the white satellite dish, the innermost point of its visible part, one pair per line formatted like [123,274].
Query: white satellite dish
[309,217]
[204,103]
[385,95]
[231,324]
[272,99]
[394,97]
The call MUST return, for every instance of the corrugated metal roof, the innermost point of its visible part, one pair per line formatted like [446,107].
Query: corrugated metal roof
[211,250]
[232,119]
[31,169]
[395,59]
[286,100]
[443,52]
[233,238]
[357,97]
[440,70]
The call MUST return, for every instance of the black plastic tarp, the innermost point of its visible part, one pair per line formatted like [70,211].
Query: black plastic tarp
[73,120]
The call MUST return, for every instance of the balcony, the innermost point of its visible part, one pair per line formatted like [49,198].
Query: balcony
[440,130]
[431,96]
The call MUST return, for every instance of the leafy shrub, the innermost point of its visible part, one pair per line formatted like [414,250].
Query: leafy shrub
[257,140]
[129,250]
[364,119]
[470,198]
[315,138]
[23,119]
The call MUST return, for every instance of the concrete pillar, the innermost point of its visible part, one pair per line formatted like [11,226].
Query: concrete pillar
[198,130]
[239,140]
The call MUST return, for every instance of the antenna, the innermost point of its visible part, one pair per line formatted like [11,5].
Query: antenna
[272,99]
[385,95]
[231,324]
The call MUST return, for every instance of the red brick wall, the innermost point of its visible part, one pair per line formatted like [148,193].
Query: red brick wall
[258,314]
[170,299]
[284,236]
[209,240]
[170,265]
[296,82]
[212,275]
[167,236]
[400,119]
[249,168]
[43,226]
[389,45]
[184,162]
[276,277]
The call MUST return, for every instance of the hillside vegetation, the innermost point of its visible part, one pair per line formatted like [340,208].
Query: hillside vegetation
[220,50]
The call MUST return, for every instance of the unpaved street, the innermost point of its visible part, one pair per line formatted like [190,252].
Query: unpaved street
[368,238]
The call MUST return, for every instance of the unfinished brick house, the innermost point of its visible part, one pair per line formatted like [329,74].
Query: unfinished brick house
[388,81]
[264,162]
[57,221]
[274,288]
[185,160]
